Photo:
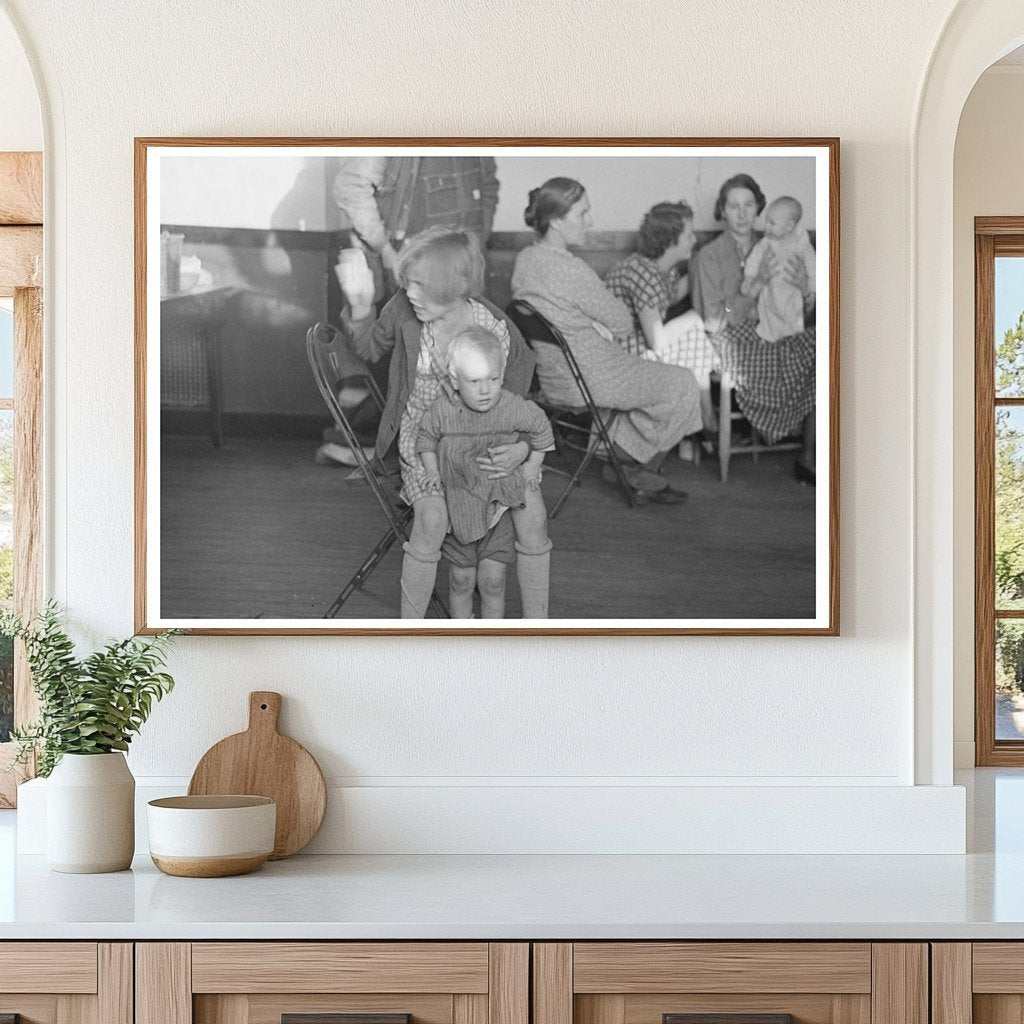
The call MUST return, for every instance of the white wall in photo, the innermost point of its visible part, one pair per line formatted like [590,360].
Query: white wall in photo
[561,720]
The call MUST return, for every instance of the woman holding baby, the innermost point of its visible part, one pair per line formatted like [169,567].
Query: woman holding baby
[441,272]
[756,294]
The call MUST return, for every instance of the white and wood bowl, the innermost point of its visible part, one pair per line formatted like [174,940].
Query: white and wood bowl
[211,836]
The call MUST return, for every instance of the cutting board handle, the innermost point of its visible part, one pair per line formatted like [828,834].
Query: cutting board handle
[264,710]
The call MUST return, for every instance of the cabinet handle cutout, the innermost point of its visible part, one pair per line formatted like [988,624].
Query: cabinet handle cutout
[10,1018]
[727,1018]
[334,1018]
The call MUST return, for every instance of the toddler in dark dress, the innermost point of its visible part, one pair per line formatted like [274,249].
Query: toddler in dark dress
[463,423]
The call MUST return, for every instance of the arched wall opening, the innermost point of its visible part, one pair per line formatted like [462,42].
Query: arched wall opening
[977,34]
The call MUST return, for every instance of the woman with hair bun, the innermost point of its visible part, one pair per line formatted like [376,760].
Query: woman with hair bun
[659,403]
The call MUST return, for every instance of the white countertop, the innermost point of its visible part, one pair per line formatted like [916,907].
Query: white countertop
[977,896]
[517,897]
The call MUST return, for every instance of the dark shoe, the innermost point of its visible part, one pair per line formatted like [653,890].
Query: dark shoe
[803,474]
[636,476]
[666,496]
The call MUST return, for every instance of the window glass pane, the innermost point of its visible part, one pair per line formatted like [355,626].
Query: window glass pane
[6,567]
[1009,481]
[1009,679]
[1009,320]
[6,353]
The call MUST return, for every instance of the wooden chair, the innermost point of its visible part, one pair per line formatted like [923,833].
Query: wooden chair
[331,362]
[729,414]
[582,428]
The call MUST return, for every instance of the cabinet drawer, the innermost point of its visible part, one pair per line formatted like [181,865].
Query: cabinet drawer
[64,967]
[340,967]
[632,967]
[329,982]
[66,982]
[730,983]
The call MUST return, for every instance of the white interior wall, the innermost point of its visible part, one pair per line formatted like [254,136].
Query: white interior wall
[987,182]
[21,127]
[423,714]
[621,190]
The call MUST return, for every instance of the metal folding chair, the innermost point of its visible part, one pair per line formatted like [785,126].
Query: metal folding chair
[331,362]
[569,422]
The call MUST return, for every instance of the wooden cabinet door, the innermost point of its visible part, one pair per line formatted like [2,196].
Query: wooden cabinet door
[978,983]
[332,983]
[730,983]
[66,982]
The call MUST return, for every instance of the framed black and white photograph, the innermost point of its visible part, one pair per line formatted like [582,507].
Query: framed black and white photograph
[487,386]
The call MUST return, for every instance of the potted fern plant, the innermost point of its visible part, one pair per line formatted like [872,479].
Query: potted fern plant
[89,710]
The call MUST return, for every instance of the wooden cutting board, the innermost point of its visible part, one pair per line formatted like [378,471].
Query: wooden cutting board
[262,762]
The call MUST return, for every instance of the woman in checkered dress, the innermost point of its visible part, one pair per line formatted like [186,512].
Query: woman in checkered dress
[660,403]
[775,381]
[649,282]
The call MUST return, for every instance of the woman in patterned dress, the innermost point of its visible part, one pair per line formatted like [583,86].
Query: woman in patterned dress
[649,282]
[660,403]
[441,274]
[775,382]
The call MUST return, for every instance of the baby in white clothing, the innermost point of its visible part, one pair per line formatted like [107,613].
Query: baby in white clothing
[780,304]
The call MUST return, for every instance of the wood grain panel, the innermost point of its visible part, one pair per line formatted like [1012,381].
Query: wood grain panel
[339,967]
[998,967]
[998,1009]
[721,967]
[508,993]
[984,503]
[899,993]
[267,1009]
[998,225]
[163,983]
[230,1009]
[21,259]
[805,1008]
[467,1009]
[65,967]
[28,483]
[115,984]
[21,188]
[951,983]
[34,1009]
[591,1009]
[552,983]
[848,1009]
[76,1010]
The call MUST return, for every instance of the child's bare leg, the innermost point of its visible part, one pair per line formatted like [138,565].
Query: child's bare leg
[533,555]
[461,584]
[422,553]
[490,579]
[531,521]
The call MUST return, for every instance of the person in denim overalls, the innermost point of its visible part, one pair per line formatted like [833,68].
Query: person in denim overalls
[389,199]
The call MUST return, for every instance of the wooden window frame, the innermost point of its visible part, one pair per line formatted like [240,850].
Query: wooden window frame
[21,278]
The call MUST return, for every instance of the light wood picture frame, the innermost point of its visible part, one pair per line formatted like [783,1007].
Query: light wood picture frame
[257,511]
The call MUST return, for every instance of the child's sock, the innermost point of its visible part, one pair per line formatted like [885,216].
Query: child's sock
[419,571]
[534,570]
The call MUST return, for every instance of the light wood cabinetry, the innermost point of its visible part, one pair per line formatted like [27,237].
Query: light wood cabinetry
[978,983]
[648,982]
[66,982]
[259,982]
[512,982]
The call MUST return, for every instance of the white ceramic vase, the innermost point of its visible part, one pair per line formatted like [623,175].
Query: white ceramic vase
[90,814]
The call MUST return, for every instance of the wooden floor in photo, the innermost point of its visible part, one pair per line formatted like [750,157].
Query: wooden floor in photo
[256,529]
